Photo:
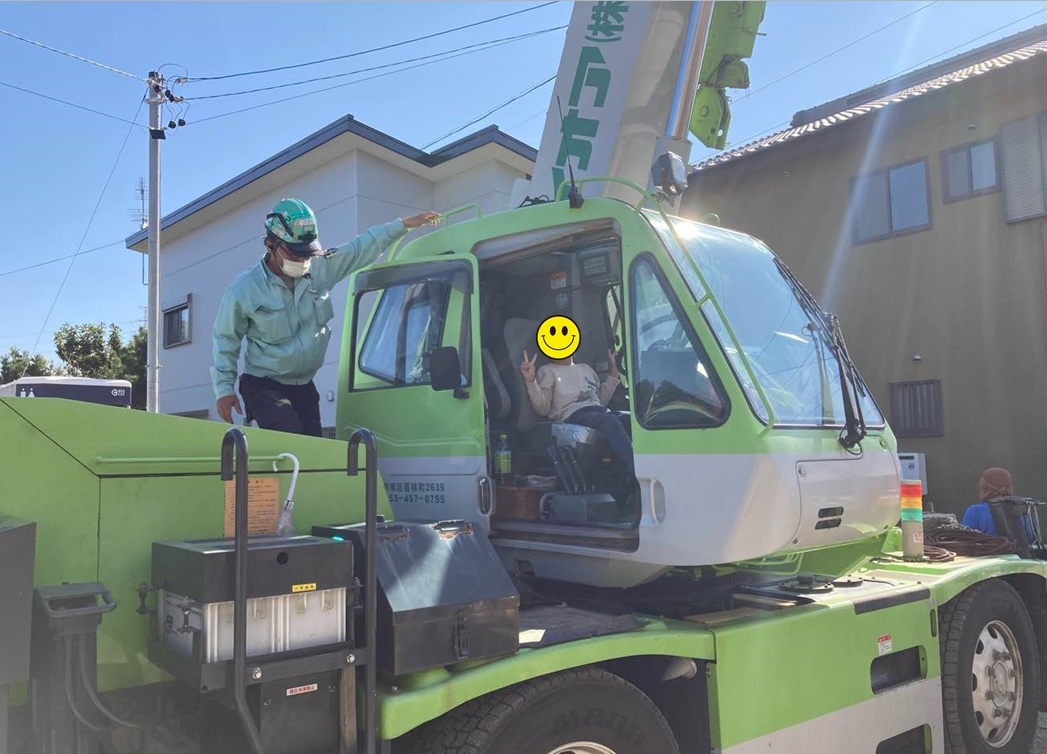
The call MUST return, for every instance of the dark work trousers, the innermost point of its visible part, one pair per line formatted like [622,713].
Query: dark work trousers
[285,408]
[602,420]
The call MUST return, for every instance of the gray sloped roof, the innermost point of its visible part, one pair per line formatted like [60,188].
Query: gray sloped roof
[933,78]
[348,124]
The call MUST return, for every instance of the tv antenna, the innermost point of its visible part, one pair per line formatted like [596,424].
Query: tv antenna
[139,214]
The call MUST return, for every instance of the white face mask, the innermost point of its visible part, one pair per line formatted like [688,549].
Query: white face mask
[294,269]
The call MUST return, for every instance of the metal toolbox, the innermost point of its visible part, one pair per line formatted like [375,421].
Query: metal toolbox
[297,589]
[444,596]
[17,550]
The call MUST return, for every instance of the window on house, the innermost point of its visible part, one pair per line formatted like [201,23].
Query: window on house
[176,324]
[1023,144]
[916,409]
[890,202]
[969,170]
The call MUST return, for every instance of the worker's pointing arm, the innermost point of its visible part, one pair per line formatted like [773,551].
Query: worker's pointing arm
[230,326]
[370,245]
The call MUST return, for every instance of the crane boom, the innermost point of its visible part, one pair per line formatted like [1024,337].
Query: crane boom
[629,77]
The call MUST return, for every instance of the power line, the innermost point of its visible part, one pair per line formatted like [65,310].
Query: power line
[66,102]
[749,94]
[963,44]
[493,110]
[379,67]
[70,55]
[348,83]
[373,49]
[59,259]
[528,119]
[90,220]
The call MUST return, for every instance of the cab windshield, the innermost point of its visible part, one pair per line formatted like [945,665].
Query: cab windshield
[788,346]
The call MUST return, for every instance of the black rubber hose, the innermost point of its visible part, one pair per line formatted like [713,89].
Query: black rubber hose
[69,695]
[93,696]
[970,542]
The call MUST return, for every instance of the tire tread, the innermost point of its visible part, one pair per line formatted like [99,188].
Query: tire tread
[468,728]
[952,621]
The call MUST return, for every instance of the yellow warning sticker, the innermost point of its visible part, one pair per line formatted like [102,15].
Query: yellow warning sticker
[296,588]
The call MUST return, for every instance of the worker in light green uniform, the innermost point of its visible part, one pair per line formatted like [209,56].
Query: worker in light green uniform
[282,307]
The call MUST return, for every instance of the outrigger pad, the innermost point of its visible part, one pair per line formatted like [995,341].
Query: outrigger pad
[556,624]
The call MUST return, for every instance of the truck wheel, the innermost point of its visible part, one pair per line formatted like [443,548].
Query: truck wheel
[990,671]
[584,711]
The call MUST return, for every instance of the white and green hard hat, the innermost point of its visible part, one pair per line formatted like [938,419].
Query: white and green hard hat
[294,224]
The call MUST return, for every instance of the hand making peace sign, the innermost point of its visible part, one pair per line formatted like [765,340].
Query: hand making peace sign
[527,367]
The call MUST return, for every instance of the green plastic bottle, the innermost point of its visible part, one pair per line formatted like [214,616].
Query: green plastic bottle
[503,461]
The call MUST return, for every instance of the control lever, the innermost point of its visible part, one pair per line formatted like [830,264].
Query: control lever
[561,474]
[576,470]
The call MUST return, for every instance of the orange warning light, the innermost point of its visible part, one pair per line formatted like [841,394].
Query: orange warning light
[912,495]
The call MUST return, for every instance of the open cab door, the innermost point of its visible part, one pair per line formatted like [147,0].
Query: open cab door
[411,349]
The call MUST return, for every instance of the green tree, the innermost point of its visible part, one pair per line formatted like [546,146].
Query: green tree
[17,363]
[98,351]
[132,365]
[90,350]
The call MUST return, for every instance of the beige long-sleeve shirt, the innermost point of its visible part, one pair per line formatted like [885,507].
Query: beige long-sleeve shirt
[561,389]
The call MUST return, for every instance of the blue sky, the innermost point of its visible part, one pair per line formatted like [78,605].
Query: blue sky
[55,158]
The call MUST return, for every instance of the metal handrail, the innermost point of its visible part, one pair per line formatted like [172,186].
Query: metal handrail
[364,436]
[235,438]
[395,250]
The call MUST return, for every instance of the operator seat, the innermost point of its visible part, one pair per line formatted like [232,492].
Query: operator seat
[536,434]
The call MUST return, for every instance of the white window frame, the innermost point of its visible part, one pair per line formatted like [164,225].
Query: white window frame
[886,173]
[187,305]
[972,192]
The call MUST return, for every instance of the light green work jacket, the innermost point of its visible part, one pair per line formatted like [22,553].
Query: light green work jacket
[287,331]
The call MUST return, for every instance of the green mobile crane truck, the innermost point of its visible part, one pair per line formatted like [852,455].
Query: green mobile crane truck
[742,588]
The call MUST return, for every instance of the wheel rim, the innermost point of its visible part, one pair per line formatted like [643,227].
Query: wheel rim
[997,682]
[582,747]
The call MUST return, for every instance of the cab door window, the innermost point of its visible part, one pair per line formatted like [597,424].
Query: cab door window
[675,386]
[409,321]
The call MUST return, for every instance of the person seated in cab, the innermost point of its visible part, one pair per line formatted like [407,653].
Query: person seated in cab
[993,484]
[572,393]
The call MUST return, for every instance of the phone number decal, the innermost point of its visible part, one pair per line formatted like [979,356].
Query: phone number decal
[427,493]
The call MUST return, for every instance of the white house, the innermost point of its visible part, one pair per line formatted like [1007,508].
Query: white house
[353,177]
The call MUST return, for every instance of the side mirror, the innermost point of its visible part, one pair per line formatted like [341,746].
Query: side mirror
[445,369]
[669,174]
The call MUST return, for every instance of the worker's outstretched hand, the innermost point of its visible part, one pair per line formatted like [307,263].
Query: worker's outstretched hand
[422,218]
[612,365]
[225,406]
[527,366]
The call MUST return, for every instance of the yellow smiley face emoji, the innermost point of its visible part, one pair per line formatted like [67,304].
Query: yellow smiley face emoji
[558,337]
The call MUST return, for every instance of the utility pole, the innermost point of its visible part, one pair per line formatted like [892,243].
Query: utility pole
[156,135]
[158,94]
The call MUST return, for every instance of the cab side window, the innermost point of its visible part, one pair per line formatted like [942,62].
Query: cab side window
[675,386]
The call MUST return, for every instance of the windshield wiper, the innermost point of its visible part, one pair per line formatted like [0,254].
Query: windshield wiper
[854,421]
[854,431]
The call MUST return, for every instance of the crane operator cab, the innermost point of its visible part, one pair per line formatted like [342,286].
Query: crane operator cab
[751,433]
